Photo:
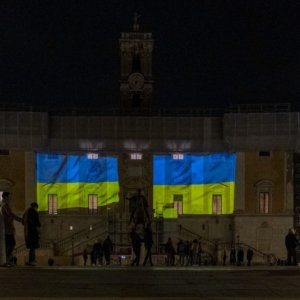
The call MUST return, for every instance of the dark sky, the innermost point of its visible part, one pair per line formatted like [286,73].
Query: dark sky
[207,52]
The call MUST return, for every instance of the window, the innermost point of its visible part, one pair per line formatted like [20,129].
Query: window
[178,156]
[178,203]
[93,204]
[264,202]
[264,153]
[52,204]
[217,204]
[136,156]
[92,156]
[264,190]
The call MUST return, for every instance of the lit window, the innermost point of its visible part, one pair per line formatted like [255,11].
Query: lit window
[217,204]
[136,156]
[92,156]
[52,204]
[178,156]
[264,202]
[178,203]
[93,204]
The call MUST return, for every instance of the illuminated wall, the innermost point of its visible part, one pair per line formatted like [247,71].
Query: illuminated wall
[73,177]
[193,180]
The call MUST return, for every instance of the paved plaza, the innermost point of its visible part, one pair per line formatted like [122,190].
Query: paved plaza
[150,283]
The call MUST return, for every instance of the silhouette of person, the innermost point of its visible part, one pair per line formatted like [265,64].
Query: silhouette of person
[291,243]
[107,249]
[249,256]
[9,217]
[31,224]
[224,257]
[148,240]
[136,242]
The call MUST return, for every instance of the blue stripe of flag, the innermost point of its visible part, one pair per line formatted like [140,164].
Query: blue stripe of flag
[55,168]
[194,169]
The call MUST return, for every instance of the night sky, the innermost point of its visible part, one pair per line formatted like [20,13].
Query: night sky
[207,53]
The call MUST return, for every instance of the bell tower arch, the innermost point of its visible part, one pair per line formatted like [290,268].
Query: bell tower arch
[136,83]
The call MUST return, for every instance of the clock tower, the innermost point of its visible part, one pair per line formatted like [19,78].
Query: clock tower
[136,84]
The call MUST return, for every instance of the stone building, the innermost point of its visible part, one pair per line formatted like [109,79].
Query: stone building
[264,138]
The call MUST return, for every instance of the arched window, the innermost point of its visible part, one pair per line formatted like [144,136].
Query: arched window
[264,190]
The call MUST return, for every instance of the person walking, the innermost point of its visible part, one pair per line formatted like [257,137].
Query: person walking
[136,242]
[31,224]
[148,241]
[9,217]
[291,243]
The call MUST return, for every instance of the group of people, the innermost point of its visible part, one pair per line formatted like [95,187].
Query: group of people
[237,257]
[31,222]
[189,252]
[97,252]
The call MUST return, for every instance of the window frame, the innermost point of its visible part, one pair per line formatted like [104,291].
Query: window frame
[218,210]
[264,186]
[53,207]
[92,209]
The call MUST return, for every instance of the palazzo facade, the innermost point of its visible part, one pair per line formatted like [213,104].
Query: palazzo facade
[264,139]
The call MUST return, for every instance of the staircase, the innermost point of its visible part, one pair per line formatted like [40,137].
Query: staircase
[216,249]
[80,238]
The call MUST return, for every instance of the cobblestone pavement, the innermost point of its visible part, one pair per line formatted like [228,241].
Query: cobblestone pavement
[150,283]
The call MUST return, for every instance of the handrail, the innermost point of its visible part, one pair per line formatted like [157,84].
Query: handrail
[82,242]
[212,243]
[43,245]
[269,256]
[77,235]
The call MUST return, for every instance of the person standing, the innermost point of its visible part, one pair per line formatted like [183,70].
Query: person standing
[249,256]
[148,240]
[31,224]
[98,253]
[224,257]
[2,240]
[181,252]
[240,256]
[9,217]
[291,243]
[170,251]
[107,249]
[232,256]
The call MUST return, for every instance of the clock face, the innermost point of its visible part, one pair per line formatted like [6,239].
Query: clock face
[136,81]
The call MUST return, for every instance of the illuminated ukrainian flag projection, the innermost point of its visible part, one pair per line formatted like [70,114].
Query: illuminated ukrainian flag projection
[72,178]
[194,185]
